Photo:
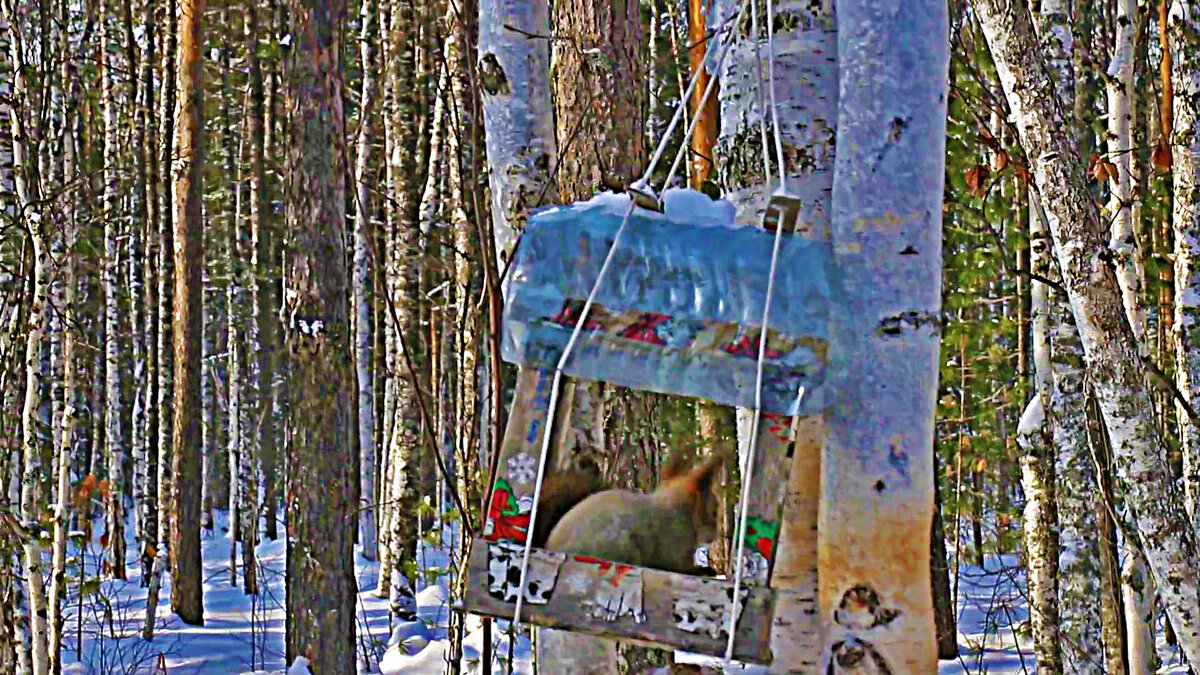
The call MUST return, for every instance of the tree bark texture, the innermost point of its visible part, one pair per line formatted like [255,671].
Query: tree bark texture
[806,88]
[322,489]
[114,441]
[1185,220]
[893,79]
[1040,525]
[187,597]
[514,74]
[362,276]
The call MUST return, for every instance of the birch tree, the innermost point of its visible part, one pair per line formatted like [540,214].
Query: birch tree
[66,445]
[514,74]
[1118,376]
[1057,354]
[805,81]
[1185,219]
[26,188]
[114,441]
[1040,526]
[892,65]
[362,272]
[402,278]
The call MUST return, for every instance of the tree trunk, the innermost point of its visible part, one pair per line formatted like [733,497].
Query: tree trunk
[385,247]
[517,111]
[266,253]
[31,499]
[1117,374]
[1041,527]
[321,522]
[187,598]
[403,277]
[466,331]
[114,443]
[704,137]
[891,121]
[235,313]
[66,445]
[1185,219]
[166,288]
[599,121]
[944,604]
[362,275]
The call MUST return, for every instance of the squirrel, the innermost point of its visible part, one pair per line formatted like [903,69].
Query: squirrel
[660,529]
[561,491]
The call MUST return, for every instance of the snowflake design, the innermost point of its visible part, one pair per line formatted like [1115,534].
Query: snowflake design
[522,468]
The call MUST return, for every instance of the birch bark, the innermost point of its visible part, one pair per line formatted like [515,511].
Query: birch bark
[66,445]
[1041,544]
[514,75]
[1185,220]
[1117,374]
[114,440]
[31,499]
[1034,433]
[893,70]
[362,275]
[806,89]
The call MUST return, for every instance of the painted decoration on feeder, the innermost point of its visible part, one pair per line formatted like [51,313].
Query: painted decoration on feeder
[680,306]
[761,535]
[522,468]
[504,572]
[508,515]
[610,590]
[698,609]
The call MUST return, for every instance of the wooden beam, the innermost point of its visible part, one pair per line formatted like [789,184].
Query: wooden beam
[622,602]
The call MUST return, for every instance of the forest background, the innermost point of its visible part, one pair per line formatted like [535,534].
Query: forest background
[169,211]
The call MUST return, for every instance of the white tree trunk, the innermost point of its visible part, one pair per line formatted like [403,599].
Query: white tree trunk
[1185,220]
[514,74]
[31,475]
[1057,352]
[361,281]
[383,247]
[1037,479]
[1040,521]
[877,510]
[65,449]
[1120,152]
[1118,377]
[1137,597]
[114,441]
[806,81]
[465,314]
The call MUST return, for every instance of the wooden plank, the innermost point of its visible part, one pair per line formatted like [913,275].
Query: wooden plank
[796,646]
[512,499]
[623,602]
[765,502]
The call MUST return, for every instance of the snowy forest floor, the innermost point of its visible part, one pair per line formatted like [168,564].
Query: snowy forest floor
[244,635]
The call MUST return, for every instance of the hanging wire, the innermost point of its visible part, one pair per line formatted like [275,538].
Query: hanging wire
[748,462]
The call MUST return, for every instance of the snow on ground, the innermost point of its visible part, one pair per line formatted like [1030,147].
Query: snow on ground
[245,635]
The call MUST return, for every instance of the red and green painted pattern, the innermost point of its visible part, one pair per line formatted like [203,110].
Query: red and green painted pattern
[761,535]
[505,518]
